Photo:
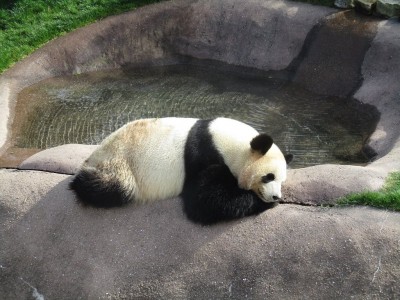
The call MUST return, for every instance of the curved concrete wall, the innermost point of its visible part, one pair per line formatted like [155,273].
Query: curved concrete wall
[322,49]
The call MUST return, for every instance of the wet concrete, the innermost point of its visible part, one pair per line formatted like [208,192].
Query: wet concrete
[331,59]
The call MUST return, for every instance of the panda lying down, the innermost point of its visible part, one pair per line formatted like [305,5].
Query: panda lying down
[222,168]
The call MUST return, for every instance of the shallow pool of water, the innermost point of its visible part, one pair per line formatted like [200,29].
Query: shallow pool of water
[86,108]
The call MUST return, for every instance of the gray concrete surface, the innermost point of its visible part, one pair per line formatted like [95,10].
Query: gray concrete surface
[61,250]
[51,247]
[64,159]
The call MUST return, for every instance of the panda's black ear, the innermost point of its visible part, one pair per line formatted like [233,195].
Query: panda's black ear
[261,143]
[288,158]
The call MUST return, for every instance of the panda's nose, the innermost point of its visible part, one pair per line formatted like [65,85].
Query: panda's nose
[276,198]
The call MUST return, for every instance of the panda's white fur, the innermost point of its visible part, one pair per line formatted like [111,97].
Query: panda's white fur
[232,139]
[145,156]
[151,159]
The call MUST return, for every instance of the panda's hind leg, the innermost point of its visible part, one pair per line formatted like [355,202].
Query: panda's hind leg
[94,187]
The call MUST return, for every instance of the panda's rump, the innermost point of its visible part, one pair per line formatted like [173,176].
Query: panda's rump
[155,154]
[141,161]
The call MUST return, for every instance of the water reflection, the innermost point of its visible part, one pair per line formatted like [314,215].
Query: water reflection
[86,108]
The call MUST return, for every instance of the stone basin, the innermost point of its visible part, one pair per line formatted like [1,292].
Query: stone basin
[327,51]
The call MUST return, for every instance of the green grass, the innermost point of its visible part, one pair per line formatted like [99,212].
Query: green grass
[388,197]
[25,25]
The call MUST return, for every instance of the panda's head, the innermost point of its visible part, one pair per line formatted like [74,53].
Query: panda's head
[265,170]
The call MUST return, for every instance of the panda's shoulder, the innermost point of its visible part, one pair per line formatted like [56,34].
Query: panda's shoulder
[230,127]
[216,175]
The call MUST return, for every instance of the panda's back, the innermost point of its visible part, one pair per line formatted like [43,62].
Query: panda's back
[171,151]
[151,159]
[156,152]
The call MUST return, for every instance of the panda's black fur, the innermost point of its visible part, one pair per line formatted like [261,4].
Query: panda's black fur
[90,192]
[200,151]
[213,195]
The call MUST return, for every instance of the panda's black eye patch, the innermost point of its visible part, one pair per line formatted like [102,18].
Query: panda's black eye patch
[267,178]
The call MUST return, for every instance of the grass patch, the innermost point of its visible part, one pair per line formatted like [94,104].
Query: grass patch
[25,25]
[388,197]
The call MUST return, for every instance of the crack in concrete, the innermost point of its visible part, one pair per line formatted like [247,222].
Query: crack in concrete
[35,294]
[304,204]
[377,269]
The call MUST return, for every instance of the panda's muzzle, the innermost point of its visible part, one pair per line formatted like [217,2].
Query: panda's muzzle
[274,198]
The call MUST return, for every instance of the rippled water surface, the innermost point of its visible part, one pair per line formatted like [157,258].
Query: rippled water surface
[86,108]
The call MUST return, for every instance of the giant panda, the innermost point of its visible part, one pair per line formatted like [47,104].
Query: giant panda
[222,168]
